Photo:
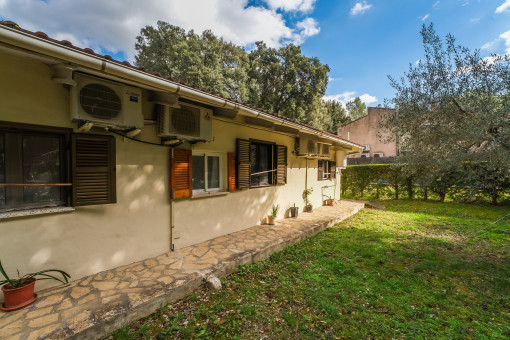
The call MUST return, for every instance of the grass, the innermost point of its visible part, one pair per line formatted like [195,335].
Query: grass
[415,270]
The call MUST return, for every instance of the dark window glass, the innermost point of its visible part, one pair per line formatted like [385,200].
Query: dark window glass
[213,172]
[2,169]
[41,164]
[30,159]
[198,175]
[263,164]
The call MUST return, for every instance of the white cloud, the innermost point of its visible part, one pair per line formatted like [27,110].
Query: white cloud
[304,6]
[307,28]
[368,99]
[360,8]
[114,24]
[506,37]
[425,17]
[347,96]
[496,45]
[436,4]
[504,7]
[474,20]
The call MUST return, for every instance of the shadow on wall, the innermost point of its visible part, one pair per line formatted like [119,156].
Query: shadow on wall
[198,220]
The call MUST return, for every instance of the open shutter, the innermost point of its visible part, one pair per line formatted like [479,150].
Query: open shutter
[180,173]
[243,168]
[93,169]
[332,170]
[231,166]
[320,170]
[281,171]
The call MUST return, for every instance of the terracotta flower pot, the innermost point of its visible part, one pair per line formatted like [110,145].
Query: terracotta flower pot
[17,298]
[270,219]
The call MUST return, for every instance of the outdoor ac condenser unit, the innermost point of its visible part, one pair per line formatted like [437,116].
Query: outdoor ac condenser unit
[106,103]
[189,122]
[308,146]
[324,149]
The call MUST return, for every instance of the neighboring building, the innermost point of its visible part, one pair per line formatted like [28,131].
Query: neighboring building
[365,131]
[103,164]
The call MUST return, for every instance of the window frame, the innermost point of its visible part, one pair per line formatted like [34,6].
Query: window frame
[274,164]
[221,160]
[330,174]
[12,134]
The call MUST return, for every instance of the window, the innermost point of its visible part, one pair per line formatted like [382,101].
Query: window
[326,170]
[38,168]
[260,164]
[206,172]
[33,167]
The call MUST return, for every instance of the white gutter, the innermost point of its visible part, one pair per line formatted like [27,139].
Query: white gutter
[100,64]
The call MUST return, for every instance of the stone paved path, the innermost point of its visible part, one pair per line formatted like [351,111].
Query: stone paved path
[98,304]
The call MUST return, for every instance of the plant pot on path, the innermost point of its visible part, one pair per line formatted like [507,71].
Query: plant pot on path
[17,298]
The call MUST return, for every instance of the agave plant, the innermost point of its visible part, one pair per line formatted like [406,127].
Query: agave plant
[275,209]
[42,275]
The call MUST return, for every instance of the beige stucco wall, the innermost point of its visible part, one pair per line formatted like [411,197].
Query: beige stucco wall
[365,131]
[95,238]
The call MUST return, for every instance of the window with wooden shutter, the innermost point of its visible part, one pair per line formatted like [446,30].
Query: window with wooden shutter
[93,171]
[243,170]
[180,173]
[231,166]
[332,171]
[281,173]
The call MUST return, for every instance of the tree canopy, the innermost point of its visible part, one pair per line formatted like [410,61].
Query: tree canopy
[281,80]
[453,116]
[356,109]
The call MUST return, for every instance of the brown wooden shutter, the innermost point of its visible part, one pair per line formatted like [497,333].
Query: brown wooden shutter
[231,166]
[243,168]
[93,169]
[320,170]
[180,173]
[332,170]
[281,172]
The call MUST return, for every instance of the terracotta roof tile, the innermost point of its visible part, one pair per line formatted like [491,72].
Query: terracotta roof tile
[68,44]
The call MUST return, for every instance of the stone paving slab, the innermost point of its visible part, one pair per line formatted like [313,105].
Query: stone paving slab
[96,305]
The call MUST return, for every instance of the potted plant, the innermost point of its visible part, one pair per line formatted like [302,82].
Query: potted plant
[19,293]
[274,212]
[294,211]
[306,194]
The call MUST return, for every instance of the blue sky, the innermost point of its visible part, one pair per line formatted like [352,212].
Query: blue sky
[363,41]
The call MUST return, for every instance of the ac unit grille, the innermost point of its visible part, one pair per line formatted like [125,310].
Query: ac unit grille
[186,121]
[311,146]
[100,101]
[325,149]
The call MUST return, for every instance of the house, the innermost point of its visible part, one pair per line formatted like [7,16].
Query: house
[103,164]
[365,131]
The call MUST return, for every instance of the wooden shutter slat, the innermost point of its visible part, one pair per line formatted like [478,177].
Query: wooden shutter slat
[281,172]
[180,173]
[243,168]
[231,166]
[332,170]
[94,166]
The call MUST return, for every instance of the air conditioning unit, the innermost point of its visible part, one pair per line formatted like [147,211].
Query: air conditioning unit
[378,154]
[324,150]
[366,148]
[189,122]
[308,146]
[106,103]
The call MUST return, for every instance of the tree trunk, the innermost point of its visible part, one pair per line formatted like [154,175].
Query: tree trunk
[425,194]
[495,197]
[442,196]
[410,191]
[396,191]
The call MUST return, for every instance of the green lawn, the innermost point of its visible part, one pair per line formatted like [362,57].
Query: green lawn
[415,270]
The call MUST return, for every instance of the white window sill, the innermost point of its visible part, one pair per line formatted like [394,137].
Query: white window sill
[32,212]
[209,194]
